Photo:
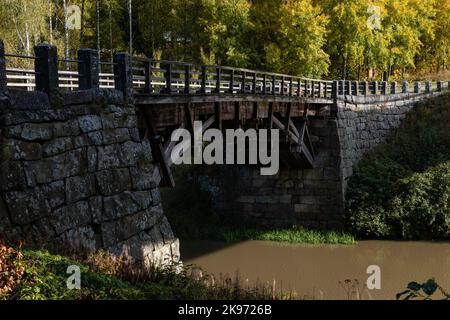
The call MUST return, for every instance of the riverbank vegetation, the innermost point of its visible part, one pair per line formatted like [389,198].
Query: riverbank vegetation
[191,214]
[316,38]
[401,190]
[40,275]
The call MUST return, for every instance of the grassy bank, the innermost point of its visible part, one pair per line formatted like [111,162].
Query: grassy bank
[401,190]
[191,215]
[40,275]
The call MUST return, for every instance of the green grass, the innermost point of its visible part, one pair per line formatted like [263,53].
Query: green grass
[235,234]
[43,277]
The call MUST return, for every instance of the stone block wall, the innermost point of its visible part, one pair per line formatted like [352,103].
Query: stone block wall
[78,175]
[312,197]
[308,197]
[364,122]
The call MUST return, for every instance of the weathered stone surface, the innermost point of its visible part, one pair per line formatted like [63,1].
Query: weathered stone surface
[67,129]
[21,150]
[90,123]
[26,206]
[126,203]
[113,181]
[55,193]
[128,226]
[75,174]
[37,131]
[58,167]
[71,216]
[79,187]
[57,146]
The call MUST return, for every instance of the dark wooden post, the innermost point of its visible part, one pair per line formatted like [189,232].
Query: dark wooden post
[405,87]
[46,68]
[274,81]
[123,74]
[383,88]
[375,87]
[3,79]
[88,69]
[203,80]
[218,78]
[299,87]
[334,95]
[428,87]
[148,77]
[231,90]
[243,79]
[282,85]
[439,85]
[356,91]
[168,77]
[417,87]
[291,82]
[394,87]
[366,88]
[187,79]
[264,84]
[254,83]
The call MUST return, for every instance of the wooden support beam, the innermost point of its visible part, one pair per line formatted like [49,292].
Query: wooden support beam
[288,116]
[159,156]
[270,116]
[189,117]
[237,114]
[218,115]
[255,110]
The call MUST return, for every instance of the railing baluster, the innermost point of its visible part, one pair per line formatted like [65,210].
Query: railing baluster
[243,76]
[274,84]
[290,87]
[264,89]
[203,80]
[218,78]
[187,79]
[3,79]
[231,90]
[148,77]
[254,83]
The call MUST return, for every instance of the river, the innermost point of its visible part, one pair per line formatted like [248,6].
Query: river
[315,271]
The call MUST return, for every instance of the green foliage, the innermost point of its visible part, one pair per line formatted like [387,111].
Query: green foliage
[43,277]
[424,291]
[402,189]
[301,37]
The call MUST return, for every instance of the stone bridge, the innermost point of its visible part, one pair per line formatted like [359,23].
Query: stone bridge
[84,152]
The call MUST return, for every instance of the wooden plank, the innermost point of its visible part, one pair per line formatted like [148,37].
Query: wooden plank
[270,116]
[167,179]
[237,115]
[142,99]
[218,115]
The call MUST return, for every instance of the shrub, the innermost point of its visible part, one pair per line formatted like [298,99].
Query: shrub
[401,190]
[11,268]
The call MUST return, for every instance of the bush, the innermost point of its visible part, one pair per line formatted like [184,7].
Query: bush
[11,268]
[402,189]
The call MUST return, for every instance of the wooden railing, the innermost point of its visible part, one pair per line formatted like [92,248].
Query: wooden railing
[143,76]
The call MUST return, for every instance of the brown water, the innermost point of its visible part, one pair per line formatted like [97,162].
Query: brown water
[314,271]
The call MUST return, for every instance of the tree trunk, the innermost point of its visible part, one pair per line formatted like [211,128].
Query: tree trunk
[82,25]
[97,26]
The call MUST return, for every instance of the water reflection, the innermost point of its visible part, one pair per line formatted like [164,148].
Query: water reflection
[316,270]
